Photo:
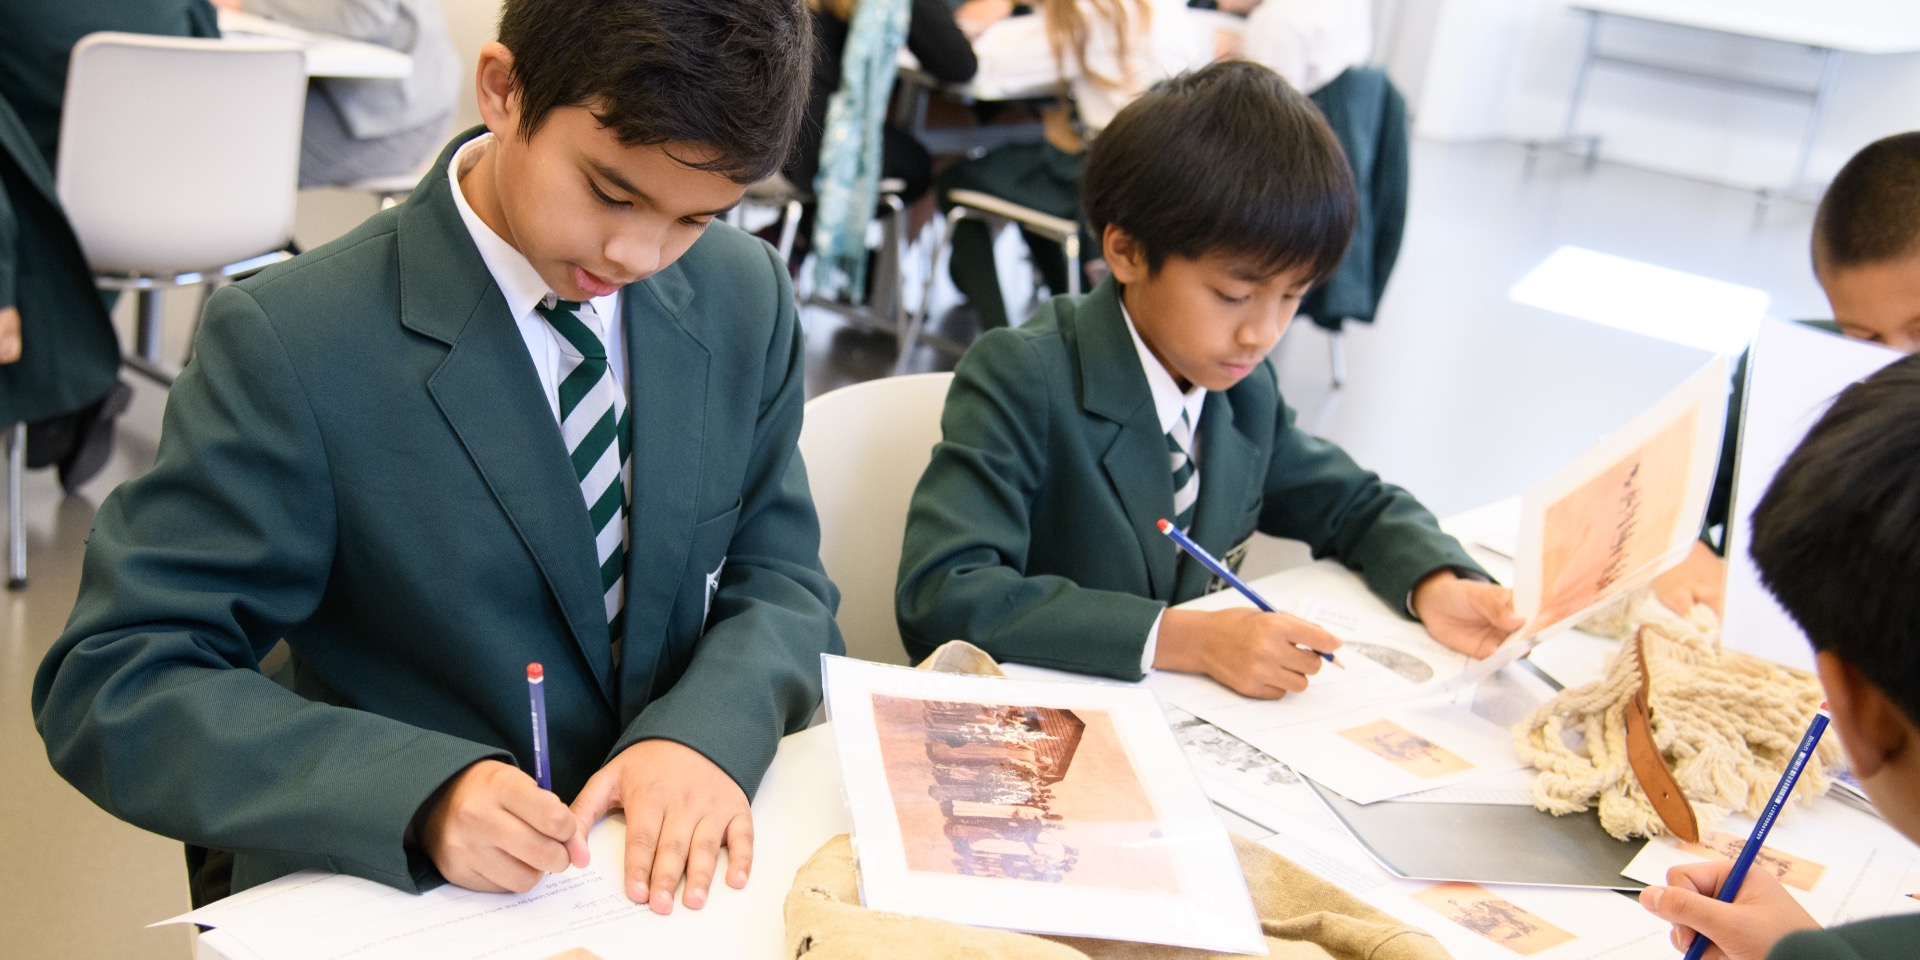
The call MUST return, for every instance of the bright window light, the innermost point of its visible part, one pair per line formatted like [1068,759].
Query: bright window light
[1639,297]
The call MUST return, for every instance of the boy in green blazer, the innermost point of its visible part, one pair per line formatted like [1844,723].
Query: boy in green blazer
[1220,197]
[1837,541]
[545,410]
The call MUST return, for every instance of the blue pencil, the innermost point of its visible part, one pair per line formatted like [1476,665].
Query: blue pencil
[536,692]
[1220,570]
[1744,862]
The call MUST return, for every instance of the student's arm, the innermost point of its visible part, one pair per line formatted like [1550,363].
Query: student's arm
[684,769]
[936,41]
[1015,56]
[152,703]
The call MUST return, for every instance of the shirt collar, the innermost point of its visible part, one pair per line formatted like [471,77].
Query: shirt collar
[1168,401]
[519,282]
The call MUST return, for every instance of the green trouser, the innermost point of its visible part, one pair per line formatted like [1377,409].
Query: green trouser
[1035,175]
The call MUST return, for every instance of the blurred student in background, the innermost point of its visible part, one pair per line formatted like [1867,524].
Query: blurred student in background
[358,128]
[59,356]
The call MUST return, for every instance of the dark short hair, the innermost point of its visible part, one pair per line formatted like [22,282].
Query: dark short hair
[1871,212]
[1837,536]
[1226,159]
[730,75]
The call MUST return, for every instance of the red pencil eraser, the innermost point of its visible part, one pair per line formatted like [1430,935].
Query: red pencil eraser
[534,672]
[1163,524]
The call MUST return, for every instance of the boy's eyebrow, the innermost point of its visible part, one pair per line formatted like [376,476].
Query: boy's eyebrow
[620,183]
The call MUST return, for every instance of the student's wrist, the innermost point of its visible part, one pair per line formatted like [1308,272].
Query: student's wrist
[1183,642]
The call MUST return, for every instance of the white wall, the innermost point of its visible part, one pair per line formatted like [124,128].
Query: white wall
[471,23]
[1486,69]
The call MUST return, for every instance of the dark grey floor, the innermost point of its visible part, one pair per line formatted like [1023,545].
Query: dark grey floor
[1458,394]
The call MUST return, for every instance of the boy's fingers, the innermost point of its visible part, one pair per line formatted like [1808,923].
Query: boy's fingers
[1687,909]
[597,797]
[669,859]
[643,836]
[1309,634]
[702,854]
[739,849]
[577,852]
[540,810]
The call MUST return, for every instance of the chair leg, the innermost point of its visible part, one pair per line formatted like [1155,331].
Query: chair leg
[1072,247]
[147,336]
[16,517]
[789,229]
[917,321]
[885,296]
[1337,357]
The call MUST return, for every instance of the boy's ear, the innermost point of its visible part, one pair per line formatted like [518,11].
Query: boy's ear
[1871,726]
[1126,257]
[493,90]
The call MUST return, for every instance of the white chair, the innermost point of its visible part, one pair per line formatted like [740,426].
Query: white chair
[179,161]
[865,447]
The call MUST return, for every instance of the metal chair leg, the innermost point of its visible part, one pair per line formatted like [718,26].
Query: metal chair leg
[1071,244]
[917,321]
[1337,357]
[789,229]
[16,517]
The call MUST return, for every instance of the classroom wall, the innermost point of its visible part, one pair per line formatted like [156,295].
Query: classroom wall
[1504,69]
[471,23]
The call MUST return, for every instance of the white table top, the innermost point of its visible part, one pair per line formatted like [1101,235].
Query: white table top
[1850,26]
[327,55]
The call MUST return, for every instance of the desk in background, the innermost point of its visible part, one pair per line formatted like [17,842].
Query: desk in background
[327,55]
[1866,27]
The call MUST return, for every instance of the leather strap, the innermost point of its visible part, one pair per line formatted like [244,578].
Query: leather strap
[1656,781]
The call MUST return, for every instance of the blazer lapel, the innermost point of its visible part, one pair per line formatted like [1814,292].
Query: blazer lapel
[1114,387]
[491,396]
[669,369]
[1228,473]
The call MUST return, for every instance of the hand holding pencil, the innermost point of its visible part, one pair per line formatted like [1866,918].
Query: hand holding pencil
[1258,652]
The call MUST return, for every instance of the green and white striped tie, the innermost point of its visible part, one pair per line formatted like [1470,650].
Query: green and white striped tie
[1186,476]
[593,422]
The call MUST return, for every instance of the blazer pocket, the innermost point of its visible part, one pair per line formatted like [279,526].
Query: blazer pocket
[706,560]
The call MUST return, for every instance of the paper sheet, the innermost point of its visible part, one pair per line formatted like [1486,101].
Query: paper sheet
[1839,864]
[1385,726]
[1063,808]
[1476,921]
[1794,372]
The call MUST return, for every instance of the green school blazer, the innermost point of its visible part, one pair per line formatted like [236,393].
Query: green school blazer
[1032,532]
[360,459]
[1887,938]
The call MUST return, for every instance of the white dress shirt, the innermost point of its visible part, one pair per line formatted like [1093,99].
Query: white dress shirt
[1169,402]
[523,289]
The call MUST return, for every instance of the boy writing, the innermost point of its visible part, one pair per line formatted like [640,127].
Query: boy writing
[1219,197]
[1866,255]
[543,411]
[1837,540]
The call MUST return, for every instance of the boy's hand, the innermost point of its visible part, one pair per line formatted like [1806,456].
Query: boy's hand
[9,334]
[680,809]
[1465,615]
[493,829]
[1257,654]
[1760,915]
[1700,578]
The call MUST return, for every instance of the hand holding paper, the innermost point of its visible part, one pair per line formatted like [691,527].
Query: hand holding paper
[1466,615]
[681,809]
[1745,929]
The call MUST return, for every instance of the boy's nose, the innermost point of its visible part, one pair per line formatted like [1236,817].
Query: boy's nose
[638,254]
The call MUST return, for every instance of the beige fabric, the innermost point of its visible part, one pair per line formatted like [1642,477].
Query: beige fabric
[1304,917]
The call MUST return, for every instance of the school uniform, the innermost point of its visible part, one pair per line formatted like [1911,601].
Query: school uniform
[1032,533]
[1882,939]
[361,458]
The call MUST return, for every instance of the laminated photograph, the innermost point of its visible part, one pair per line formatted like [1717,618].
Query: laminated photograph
[1619,514]
[1043,807]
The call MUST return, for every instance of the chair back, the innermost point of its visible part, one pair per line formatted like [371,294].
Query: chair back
[865,447]
[180,154]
